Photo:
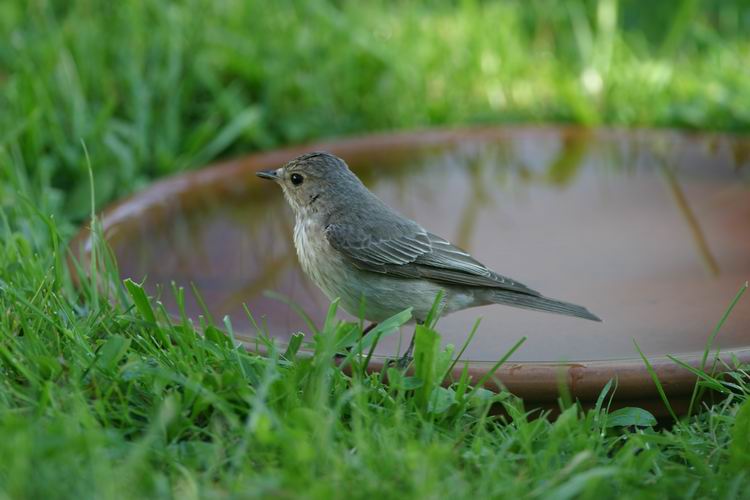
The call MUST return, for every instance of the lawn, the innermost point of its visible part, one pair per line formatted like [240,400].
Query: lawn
[103,398]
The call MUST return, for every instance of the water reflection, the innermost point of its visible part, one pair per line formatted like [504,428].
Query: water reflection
[581,216]
[691,221]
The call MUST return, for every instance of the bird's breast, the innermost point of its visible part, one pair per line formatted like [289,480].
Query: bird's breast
[316,257]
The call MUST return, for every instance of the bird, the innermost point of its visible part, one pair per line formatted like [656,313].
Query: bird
[377,262]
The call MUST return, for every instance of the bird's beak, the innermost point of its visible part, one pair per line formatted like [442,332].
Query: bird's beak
[273,175]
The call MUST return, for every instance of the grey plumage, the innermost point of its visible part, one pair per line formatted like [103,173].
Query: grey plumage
[353,246]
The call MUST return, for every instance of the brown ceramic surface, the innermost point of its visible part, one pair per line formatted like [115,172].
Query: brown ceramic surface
[650,230]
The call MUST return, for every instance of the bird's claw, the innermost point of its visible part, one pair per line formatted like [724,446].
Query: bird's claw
[401,363]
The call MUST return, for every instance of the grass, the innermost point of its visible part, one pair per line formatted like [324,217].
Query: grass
[101,399]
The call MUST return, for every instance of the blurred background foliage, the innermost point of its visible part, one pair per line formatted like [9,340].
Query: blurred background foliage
[153,88]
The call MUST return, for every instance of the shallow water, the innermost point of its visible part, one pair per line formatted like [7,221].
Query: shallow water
[650,231]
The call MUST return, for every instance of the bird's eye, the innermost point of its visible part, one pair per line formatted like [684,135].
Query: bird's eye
[296,179]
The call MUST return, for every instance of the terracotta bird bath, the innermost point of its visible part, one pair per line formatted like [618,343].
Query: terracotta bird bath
[648,229]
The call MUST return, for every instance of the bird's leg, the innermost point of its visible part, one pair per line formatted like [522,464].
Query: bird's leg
[369,328]
[404,361]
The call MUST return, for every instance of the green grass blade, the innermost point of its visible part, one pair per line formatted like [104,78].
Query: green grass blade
[141,300]
[465,345]
[712,382]
[657,382]
[491,372]
[710,342]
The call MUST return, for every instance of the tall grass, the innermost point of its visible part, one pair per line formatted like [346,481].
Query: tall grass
[113,399]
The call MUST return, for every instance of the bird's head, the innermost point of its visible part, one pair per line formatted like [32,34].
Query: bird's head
[314,181]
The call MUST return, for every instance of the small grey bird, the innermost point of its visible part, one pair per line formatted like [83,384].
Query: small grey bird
[353,246]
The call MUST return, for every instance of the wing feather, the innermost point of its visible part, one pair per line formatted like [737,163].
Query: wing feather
[408,251]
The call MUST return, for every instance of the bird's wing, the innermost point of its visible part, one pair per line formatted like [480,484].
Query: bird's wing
[408,251]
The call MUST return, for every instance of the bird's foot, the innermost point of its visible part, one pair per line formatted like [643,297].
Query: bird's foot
[404,361]
[400,363]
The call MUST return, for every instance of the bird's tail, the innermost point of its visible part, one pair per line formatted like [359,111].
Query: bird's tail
[539,303]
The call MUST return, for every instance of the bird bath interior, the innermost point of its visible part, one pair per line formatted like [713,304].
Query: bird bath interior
[648,229]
